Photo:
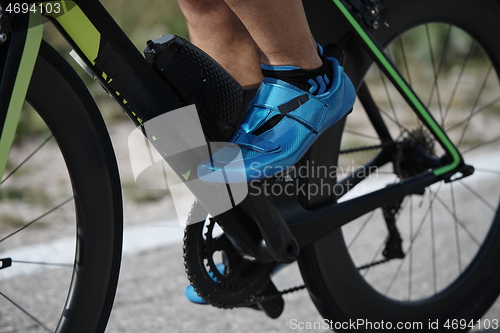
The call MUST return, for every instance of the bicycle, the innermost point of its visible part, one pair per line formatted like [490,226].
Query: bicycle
[309,225]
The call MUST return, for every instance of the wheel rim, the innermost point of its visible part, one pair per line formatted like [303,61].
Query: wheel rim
[444,228]
[38,230]
[91,237]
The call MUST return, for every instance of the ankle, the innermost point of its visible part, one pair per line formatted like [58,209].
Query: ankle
[305,55]
[309,63]
[314,81]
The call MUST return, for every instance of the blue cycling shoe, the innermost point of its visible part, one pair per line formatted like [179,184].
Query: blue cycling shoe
[255,154]
[193,296]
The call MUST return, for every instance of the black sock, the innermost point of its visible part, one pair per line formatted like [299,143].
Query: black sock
[314,81]
[301,78]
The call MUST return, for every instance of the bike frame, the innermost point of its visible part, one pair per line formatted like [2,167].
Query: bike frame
[143,95]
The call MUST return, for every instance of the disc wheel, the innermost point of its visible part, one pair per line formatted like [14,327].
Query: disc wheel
[451,232]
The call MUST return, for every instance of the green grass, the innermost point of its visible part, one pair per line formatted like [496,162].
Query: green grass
[147,19]
[140,20]
[12,222]
[139,195]
[30,126]
[33,194]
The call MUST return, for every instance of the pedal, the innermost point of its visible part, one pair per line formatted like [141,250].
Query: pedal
[198,79]
[273,307]
[193,296]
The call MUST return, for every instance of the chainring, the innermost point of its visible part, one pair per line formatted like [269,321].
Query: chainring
[239,282]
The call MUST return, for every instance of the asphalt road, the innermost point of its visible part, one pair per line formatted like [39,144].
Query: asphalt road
[150,296]
[150,299]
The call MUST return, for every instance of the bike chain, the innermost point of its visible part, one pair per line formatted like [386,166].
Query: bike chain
[260,299]
[375,263]
[364,148]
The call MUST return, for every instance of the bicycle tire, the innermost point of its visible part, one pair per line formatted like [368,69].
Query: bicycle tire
[338,289]
[66,107]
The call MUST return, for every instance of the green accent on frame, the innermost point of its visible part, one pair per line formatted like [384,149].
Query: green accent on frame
[26,66]
[186,175]
[80,29]
[406,91]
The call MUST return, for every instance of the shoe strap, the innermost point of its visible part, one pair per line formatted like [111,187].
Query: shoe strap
[271,94]
[252,142]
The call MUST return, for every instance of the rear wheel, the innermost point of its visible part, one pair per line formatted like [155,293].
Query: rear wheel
[451,232]
[61,220]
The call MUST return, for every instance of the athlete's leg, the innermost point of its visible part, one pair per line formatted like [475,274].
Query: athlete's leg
[215,29]
[303,93]
[280,29]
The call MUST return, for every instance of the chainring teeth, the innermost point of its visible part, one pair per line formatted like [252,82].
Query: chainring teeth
[228,291]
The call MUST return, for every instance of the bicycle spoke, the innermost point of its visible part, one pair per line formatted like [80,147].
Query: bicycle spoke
[361,229]
[372,262]
[441,65]
[410,254]
[42,263]
[483,108]
[376,253]
[434,196]
[401,127]
[477,195]
[38,322]
[386,88]
[433,242]
[60,194]
[481,144]
[37,219]
[27,159]
[487,171]
[405,62]
[457,240]
[453,76]
[459,79]
[394,277]
[403,130]
[459,222]
[443,73]
[412,241]
[361,134]
[435,85]
[474,105]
